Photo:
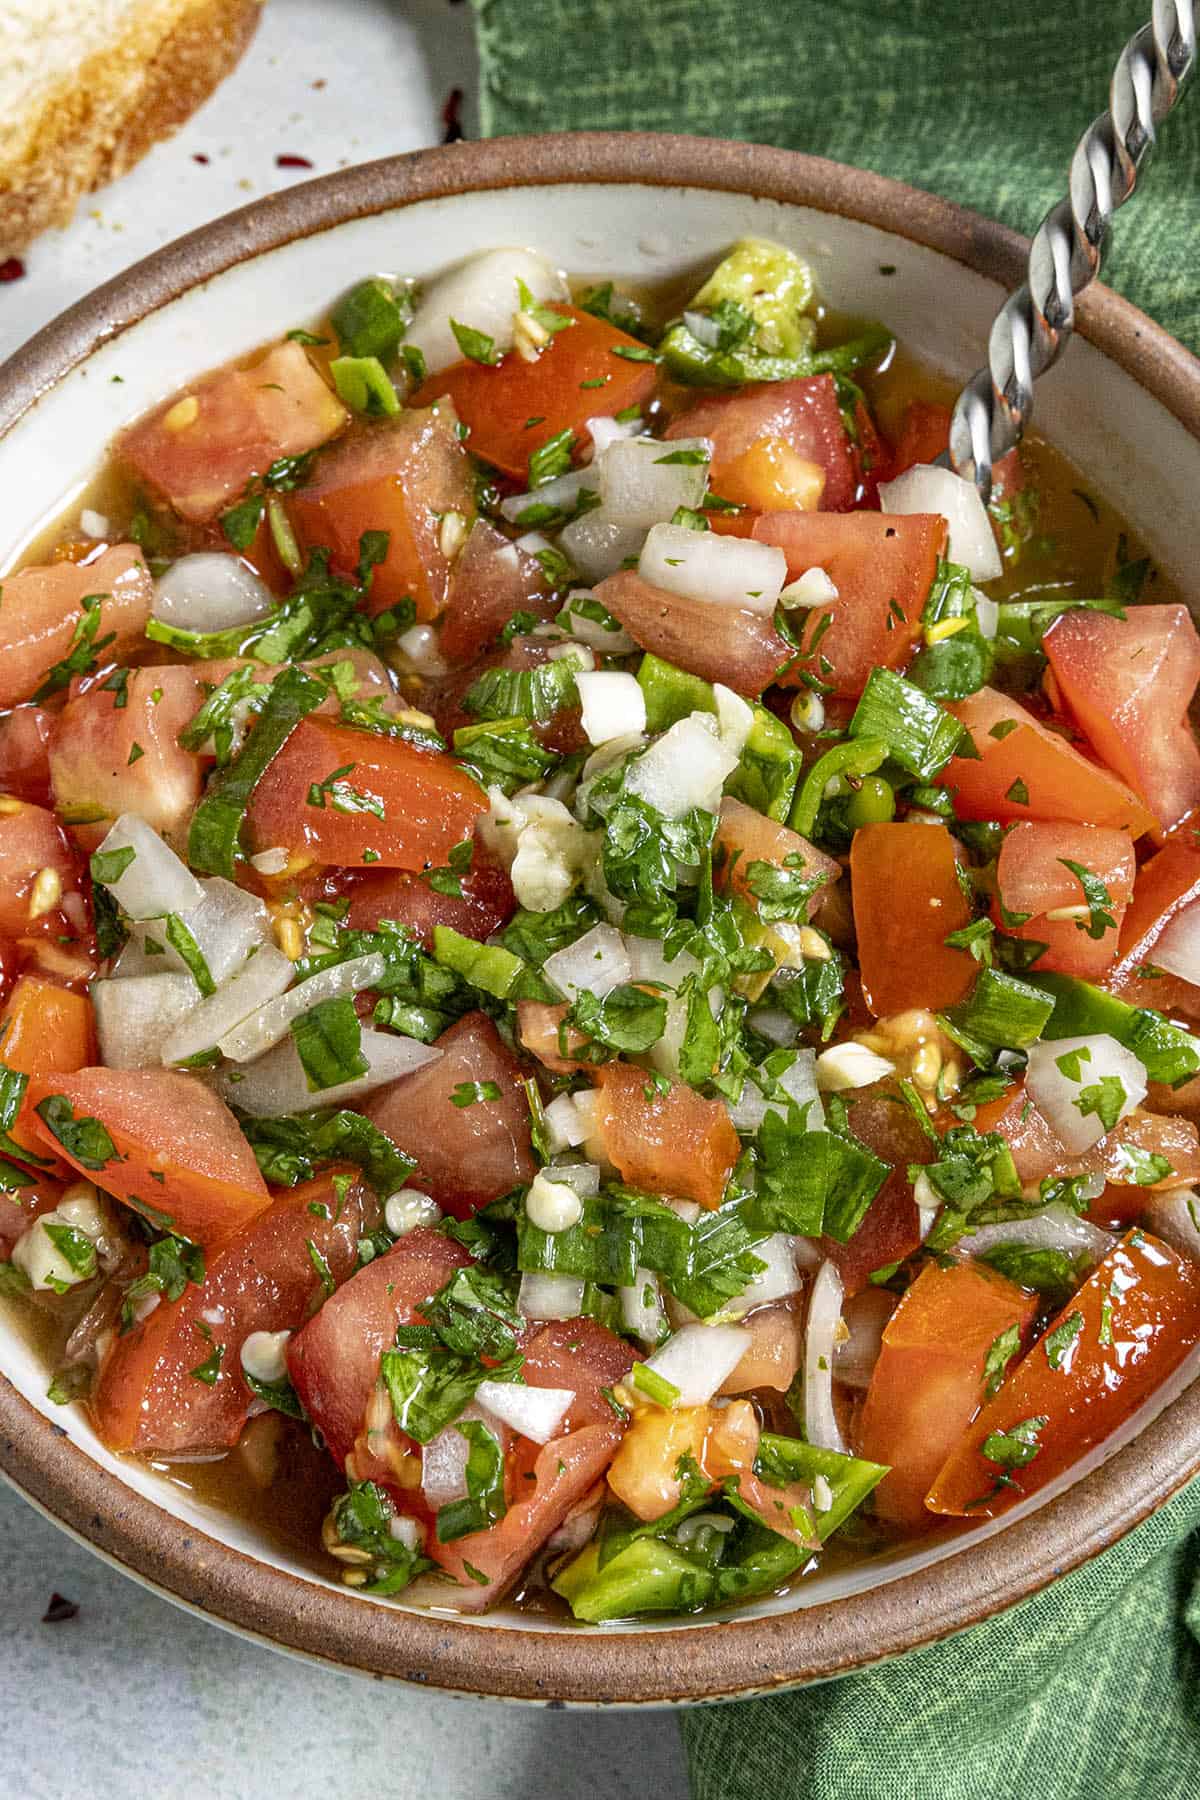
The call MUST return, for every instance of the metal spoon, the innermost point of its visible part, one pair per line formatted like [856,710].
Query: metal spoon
[1033,326]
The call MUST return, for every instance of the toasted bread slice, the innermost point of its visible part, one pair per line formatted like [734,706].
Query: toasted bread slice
[87,86]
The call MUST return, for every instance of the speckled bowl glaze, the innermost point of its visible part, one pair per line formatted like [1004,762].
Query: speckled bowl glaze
[1125,404]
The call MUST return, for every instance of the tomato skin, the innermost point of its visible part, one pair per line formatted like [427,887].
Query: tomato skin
[891,1228]
[906,902]
[45,1029]
[491,580]
[466,1155]
[94,738]
[487,901]
[498,402]
[244,419]
[1057,781]
[1032,879]
[24,758]
[334,1359]
[1038,1152]
[167,1125]
[883,568]
[802,417]
[263,1279]
[399,476]
[719,643]
[44,606]
[1129,683]
[1144,1299]
[32,840]
[1165,886]
[746,836]
[930,1378]
[429,803]
[673,1143]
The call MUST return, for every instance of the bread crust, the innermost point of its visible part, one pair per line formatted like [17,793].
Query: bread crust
[101,119]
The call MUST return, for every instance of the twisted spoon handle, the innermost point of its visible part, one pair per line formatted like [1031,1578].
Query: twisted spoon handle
[1034,324]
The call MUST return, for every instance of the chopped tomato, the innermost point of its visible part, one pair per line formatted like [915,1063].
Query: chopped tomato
[335,795]
[719,643]
[777,445]
[24,759]
[907,900]
[492,579]
[32,843]
[44,616]
[1129,683]
[891,1227]
[1166,886]
[465,1118]
[882,567]
[932,1375]
[722,1442]
[539,1027]
[746,837]
[201,448]
[402,476]
[173,1150]
[773,1355]
[1024,770]
[151,1395]
[45,1030]
[514,407]
[673,1142]
[1033,880]
[1122,1334]
[115,749]
[925,435]
[334,1360]
[486,901]
[1038,1152]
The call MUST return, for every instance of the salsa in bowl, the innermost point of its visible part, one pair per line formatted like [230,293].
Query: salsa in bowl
[598,991]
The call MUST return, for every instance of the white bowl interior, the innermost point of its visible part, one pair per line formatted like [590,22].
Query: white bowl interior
[1127,445]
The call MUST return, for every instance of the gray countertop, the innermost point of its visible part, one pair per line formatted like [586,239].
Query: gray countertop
[131,1696]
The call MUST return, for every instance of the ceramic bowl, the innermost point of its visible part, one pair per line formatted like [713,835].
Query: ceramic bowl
[1124,403]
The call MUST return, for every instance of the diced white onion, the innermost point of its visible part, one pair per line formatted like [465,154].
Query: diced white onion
[850,1065]
[824,1310]
[210,591]
[419,644]
[264,1355]
[134,1016]
[780,1278]
[640,484]
[480,293]
[866,1316]
[642,1308]
[687,766]
[799,1082]
[615,642]
[562,492]
[550,1297]
[987,614]
[722,571]
[407,1208]
[156,881]
[271,862]
[613,703]
[265,976]
[813,588]
[583,1178]
[775,1025]
[227,924]
[1174,1215]
[1054,1228]
[699,1359]
[444,1467]
[928,489]
[276,1083]
[1056,1095]
[564,1127]
[532,1412]
[1177,950]
[595,964]
[93,524]
[597,545]
[261,1030]
[735,718]
[604,432]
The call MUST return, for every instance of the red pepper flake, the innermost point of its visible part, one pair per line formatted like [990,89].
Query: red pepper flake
[12,270]
[452,117]
[286,161]
[58,1610]
[320,84]
[199,156]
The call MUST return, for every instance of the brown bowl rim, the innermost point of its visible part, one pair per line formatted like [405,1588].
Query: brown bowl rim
[728,1658]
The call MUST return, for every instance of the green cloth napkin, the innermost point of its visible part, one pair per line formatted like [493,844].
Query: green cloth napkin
[981,102]
[1090,1691]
